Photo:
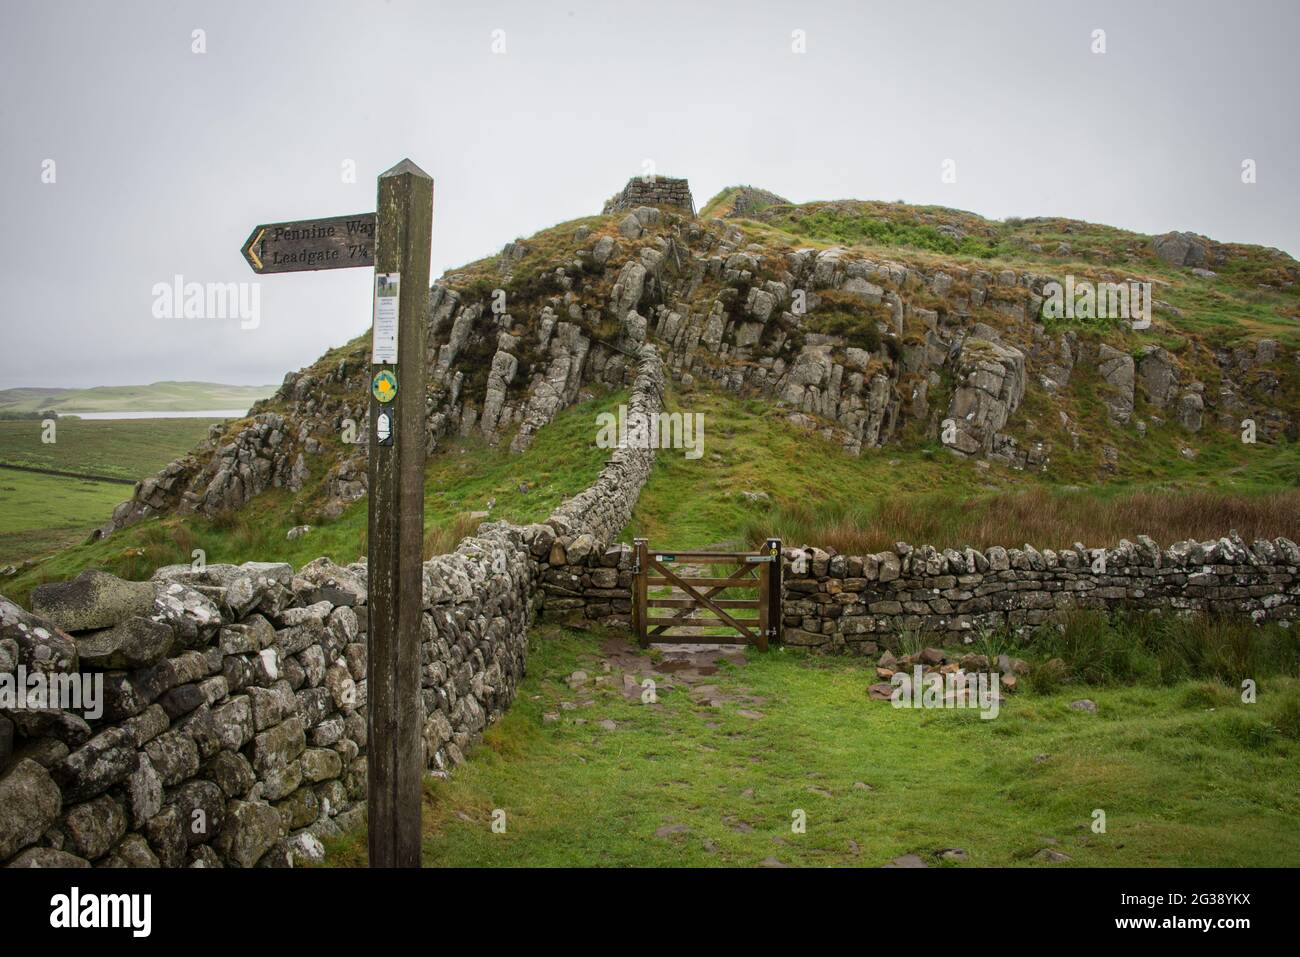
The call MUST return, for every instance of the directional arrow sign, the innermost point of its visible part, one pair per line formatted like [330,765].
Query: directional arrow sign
[334,243]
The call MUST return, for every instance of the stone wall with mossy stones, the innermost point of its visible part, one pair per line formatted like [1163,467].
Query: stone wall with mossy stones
[233,730]
[862,604]
[597,589]
[233,726]
[584,575]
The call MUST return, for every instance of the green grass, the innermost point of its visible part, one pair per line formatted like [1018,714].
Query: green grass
[818,495]
[1094,648]
[1187,775]
[750,447]
[156,397]
[116,448]
[42,513]
[867,230]
[39,513]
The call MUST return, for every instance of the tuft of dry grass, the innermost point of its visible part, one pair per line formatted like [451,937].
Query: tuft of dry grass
[442,539]
[1040,517]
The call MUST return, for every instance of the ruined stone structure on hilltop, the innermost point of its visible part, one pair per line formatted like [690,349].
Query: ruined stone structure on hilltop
[654,191]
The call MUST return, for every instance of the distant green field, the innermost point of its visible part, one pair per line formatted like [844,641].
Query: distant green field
[116,448]
[157,397]
[41,513]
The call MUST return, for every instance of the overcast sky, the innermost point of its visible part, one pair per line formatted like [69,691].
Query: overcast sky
[165,158]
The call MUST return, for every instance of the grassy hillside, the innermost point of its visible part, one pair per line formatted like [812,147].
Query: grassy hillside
[156,397]
[29,399]
[1254,292]
[41,513]
[800,487]
[760,476]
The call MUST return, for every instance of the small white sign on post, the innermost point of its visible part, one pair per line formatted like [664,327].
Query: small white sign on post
[384,345]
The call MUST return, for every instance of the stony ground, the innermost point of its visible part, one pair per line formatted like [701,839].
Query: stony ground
[586,770]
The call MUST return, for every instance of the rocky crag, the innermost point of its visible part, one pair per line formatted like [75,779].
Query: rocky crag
[864,347]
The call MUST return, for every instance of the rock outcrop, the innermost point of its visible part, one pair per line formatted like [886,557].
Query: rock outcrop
[990,384]
[1181,249]
[852,347]
[748,200]
[1117,371]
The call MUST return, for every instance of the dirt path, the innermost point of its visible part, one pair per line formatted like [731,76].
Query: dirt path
[688,666]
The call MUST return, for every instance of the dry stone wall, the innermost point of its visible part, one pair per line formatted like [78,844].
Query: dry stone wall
[857,604]
[233,730]
[596,589]
[846,604]
[586,576]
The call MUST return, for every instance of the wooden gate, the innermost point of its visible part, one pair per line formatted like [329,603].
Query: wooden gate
[700,592]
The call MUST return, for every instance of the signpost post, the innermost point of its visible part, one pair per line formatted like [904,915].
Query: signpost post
[396,240]
[395,763]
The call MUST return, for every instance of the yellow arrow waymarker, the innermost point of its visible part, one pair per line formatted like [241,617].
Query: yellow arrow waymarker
[384,386]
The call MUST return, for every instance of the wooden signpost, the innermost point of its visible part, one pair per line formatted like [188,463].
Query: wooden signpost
[395,760]
[396,240]
[338,242]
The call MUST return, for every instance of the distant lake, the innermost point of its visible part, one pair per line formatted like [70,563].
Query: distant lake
[210,414]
